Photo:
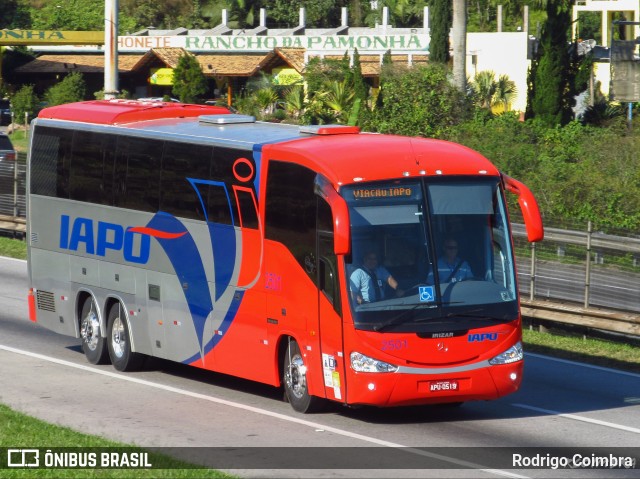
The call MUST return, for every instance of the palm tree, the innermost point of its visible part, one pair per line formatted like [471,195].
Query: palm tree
[459,41]
[294,100]
[505,93]
[492,95]
[339,99]
[484,87]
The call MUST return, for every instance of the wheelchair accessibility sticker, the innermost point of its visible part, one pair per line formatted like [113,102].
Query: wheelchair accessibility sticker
[426,294]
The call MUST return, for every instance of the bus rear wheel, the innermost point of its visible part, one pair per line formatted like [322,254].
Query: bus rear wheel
[94,345]
[119,342]
[294,378]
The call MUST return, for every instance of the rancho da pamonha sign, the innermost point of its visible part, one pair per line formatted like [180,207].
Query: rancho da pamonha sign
[264,43]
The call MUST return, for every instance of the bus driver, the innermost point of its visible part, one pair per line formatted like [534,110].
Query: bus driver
[451,268]
[367,282]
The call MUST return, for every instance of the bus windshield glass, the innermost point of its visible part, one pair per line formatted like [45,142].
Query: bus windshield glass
[430,255]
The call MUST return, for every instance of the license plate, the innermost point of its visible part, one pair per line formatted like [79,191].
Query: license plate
[443,386]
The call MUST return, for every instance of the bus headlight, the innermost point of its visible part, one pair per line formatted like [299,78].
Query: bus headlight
[365,364]
[511,355]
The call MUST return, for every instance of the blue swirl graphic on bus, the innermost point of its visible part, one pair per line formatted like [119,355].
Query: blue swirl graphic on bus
[186,259]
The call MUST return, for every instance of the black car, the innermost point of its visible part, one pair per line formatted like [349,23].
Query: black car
[7,152]
[5,112]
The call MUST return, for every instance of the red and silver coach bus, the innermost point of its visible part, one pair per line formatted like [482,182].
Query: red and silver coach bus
[200,236]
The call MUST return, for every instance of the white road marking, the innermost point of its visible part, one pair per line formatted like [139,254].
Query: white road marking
[264,412]
[575,416]
[579,418]
[584,365]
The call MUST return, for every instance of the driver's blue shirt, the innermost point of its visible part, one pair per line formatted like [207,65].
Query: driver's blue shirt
[448,273]
[362,283]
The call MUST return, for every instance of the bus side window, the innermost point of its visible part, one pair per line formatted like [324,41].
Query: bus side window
[91,172]
[137,172]
[180,161]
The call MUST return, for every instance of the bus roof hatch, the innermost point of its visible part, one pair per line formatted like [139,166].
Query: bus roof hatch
[329,129]
[226,119]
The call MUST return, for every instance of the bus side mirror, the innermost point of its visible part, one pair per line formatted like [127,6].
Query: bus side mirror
[340,213]
[341,236]
[528,206]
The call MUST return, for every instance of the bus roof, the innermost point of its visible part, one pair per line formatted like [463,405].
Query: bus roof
[341,153]
[114,112]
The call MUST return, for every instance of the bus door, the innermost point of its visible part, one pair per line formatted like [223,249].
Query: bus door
[329,308]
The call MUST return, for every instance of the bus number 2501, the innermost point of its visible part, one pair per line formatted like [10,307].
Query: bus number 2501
[394,345]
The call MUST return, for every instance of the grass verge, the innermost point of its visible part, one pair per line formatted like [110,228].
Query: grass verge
[609,354]
[13,248]
[19,140]
[18,430]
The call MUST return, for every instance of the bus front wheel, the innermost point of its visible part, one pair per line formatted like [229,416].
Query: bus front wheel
[94,345]
[294,378]
[119,341]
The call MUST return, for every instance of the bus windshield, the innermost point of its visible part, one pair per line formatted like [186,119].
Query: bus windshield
[430,255]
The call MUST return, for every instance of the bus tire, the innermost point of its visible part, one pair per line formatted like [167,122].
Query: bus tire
[294,379]
[119,342]
[94,345]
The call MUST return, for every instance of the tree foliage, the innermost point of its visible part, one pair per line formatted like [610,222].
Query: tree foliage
[71,88]
[569,169]
[189,82]
[319,13]
[551,77]
[420,101]
[440,24]
[24,101]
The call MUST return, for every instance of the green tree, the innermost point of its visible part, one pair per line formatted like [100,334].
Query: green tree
[189,83]
[440,22]
[75,15]
[69,15]
[360,88]
[14,14]
[319,13]
[551,90]
[402,13]
[419,101]
[491,93]
[24,101]
[71,88]
[166,14]
[339,100]
[294,100]
[244,13]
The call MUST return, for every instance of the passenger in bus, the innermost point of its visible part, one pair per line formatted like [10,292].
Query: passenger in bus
[451,268]
[367,283]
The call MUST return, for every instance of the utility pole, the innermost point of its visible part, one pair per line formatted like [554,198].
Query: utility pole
[110,49]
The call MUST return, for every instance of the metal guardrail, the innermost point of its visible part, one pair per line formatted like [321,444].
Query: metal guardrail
[555,309]
[12,195]
[610,321]
[595,240]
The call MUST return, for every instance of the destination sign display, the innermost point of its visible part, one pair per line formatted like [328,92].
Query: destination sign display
[383,191]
